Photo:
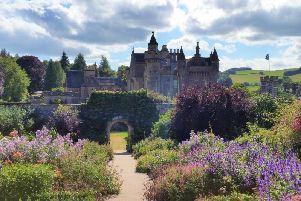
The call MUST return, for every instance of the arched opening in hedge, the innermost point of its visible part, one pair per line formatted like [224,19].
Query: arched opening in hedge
[120,120]
[133,107]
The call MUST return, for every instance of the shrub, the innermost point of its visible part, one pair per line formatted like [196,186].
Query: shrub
[177,183]
[25,181]
[162,126]
[150,144]
[235,196]
[88,171]
[150,161]
[225,111]
[67,196]
[158,98]
[266,109]
[64,120]
[287,130]
[14,117]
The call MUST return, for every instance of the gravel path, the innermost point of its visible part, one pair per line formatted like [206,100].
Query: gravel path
[133,183]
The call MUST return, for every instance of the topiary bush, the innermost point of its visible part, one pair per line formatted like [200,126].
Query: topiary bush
[212,107]
[25,181]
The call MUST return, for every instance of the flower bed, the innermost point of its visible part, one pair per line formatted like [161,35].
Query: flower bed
[60,167]
[208,167]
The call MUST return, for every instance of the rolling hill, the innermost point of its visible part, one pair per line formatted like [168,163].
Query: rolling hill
[253,76]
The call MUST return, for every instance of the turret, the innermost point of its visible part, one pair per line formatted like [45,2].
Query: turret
[153,45]
[214,56]
[197,50]
[181,55]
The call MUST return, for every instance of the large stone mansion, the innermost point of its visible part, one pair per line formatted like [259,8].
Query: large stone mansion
[167,72]
[163,71]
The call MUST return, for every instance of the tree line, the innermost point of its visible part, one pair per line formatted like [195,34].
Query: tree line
[21,76]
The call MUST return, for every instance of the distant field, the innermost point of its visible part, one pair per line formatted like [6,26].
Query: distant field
[253,76]
[118,140]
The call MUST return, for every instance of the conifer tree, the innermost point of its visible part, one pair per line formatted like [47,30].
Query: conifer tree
[79,63]
[55,75]
[65,62]
[105,69]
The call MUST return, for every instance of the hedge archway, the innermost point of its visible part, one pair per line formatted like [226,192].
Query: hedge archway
[106,107]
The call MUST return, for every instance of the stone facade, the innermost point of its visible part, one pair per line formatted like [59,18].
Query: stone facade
[269,84]
[167,72]
[86,81]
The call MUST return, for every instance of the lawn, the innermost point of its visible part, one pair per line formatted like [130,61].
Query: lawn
[118,140]
[253,76]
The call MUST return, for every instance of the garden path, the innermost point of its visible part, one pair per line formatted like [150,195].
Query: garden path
[133,183]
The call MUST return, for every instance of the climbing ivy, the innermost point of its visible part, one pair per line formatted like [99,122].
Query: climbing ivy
[102,106]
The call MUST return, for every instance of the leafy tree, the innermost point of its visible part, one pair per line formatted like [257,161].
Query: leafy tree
[122,73]
[79,62]
[16,80]
[224,79]
[1,79]
[35,69]
[105,69]
[212,107]
[65,62]
[55,75]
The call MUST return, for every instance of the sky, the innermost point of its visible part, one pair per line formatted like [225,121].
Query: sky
[242,31]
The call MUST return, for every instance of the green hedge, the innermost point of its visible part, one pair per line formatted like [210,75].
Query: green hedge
[102,106]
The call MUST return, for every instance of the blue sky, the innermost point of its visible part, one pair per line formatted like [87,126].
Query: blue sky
[242,31]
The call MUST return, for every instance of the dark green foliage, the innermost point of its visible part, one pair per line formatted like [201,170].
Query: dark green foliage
[36,71]
[22,182]
[79,63]
[55,75]
[15,117]
[65,62]
[105,68]
[2,77]
[122,73]
[212,107]
[162,126]
[292,72]
[266,110]
[103,106]
[16,80]
[224,79]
